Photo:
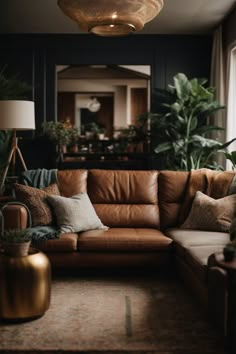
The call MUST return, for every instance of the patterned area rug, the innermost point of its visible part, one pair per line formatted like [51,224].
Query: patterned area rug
[119,314]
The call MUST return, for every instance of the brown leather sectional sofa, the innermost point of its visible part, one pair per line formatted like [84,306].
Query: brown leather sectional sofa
[142,211]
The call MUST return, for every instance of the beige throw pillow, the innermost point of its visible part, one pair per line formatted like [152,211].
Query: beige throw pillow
[35,200]
[75,214]
[211,214]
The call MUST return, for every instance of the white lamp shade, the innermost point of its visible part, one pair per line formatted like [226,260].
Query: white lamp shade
[16,114]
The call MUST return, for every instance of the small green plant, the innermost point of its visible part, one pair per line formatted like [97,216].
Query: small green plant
[56,132]
[15,236]
[73,136]
[60,133]
[92,127]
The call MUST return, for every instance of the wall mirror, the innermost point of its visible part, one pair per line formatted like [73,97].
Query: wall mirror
[106,97]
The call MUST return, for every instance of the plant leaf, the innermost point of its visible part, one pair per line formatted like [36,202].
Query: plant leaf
[231,156]
[182,86]
[163,148]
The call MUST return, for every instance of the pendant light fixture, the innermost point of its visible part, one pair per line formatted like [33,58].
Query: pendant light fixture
[94,105]
[111,17]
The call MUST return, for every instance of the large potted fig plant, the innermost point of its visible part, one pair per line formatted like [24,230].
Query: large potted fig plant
[180,128]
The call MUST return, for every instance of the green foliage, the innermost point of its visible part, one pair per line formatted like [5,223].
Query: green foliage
[13,88]
[15,236]
[180,128]
[60,133]
[231,157]
[92,127]
[73,136]
[135,133]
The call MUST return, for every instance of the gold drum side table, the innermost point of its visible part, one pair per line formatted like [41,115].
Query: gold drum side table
[25,286]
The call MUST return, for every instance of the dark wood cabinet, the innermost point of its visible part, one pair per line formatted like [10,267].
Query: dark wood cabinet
[108,154]
[108,161]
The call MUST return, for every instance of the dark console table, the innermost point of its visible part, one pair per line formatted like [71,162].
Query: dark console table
[121,161]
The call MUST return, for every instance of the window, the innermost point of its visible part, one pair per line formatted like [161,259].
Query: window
[231,102]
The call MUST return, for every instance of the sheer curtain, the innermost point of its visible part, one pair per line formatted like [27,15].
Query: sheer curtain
[231,99]
[217,80]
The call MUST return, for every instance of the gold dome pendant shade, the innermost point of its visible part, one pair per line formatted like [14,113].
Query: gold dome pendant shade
[111,17]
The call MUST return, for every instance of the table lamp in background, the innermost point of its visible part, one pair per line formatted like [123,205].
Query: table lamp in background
[15,115]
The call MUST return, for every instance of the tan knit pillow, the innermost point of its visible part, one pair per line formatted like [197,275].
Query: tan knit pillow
[75,214]
[211,214]
[35,200]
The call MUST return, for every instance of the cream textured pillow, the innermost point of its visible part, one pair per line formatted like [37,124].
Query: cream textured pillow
[75,214]
[35,200]
[211,214]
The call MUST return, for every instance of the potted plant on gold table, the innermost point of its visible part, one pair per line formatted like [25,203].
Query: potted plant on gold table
[15,242]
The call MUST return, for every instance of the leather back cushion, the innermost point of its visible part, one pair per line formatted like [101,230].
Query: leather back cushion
[125,198]
[72,182]
[172,187]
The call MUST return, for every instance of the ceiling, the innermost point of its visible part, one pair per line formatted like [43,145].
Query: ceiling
[176,17]
[98,72]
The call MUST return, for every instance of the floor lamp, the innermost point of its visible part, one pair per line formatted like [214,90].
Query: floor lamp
[15,115]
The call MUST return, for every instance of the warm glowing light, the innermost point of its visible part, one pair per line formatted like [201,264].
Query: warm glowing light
[113,17]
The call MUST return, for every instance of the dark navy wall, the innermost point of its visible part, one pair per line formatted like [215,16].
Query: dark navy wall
[34,57]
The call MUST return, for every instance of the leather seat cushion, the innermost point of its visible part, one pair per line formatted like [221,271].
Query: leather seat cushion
[123,239]
[197,258]
[66,243]
[192,238]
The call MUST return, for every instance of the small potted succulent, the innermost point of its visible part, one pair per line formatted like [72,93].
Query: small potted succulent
[91,130]
[101,133]
[15,242]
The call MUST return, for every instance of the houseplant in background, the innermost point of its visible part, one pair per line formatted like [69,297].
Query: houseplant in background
[73,140]
[61,134]
[180,127]
[57,133]
[15,242]
[91,130]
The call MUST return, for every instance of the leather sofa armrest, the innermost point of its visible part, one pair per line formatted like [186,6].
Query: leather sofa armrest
[15,216]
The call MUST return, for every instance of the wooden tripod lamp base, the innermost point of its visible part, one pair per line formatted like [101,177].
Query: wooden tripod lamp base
[12,159]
